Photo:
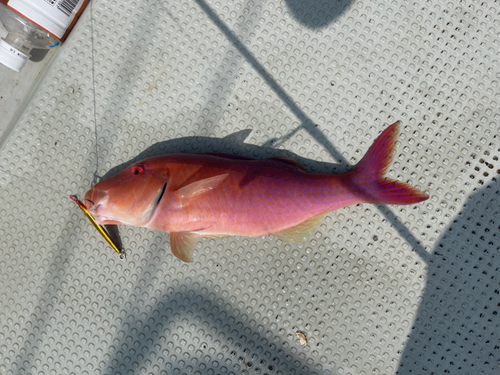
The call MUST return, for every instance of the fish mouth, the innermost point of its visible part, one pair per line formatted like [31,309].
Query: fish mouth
[93,198]
[90,205]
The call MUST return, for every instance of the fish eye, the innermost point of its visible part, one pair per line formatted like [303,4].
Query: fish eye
[138,170]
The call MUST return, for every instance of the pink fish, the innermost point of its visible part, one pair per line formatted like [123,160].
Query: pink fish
[210,195]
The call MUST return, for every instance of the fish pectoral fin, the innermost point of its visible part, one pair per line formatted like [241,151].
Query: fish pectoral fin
[199,187]
[183,244]
[301,232]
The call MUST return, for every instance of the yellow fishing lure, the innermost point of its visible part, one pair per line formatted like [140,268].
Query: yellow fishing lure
[100,228]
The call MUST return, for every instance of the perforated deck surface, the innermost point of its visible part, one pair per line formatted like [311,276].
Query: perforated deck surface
[376,290]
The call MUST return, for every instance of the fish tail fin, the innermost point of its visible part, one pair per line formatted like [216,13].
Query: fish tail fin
[369,177]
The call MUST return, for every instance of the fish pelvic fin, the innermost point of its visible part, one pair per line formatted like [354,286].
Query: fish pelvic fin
[301,232]
[369,177]
[183,244]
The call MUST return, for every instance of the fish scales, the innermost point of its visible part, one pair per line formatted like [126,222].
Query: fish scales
[254,200]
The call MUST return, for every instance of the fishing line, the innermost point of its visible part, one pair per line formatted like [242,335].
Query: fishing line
[94,181]
[100,228]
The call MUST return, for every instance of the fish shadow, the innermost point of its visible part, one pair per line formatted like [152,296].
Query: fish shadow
[233,144]
[457,330]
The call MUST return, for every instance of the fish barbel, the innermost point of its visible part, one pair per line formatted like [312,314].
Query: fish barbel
[211,195]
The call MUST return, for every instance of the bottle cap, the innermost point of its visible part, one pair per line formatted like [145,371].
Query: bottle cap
[11,57]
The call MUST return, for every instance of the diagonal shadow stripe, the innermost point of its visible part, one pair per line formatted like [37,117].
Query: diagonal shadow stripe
[306,123]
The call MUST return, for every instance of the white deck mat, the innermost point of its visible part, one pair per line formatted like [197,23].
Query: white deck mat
[377,290]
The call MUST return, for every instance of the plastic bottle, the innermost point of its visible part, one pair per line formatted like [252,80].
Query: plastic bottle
[37,24]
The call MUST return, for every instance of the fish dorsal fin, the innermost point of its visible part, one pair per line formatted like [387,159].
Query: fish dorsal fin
[184,194]
[290,162]
[230,156]
[301,232]
[183,245]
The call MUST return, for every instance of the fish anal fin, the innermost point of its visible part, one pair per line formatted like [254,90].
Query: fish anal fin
[184,194]
[300,233]
[183,245]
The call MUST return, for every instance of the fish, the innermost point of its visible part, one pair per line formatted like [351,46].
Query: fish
[192,196]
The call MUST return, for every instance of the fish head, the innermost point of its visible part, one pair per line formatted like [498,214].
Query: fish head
[131,197]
